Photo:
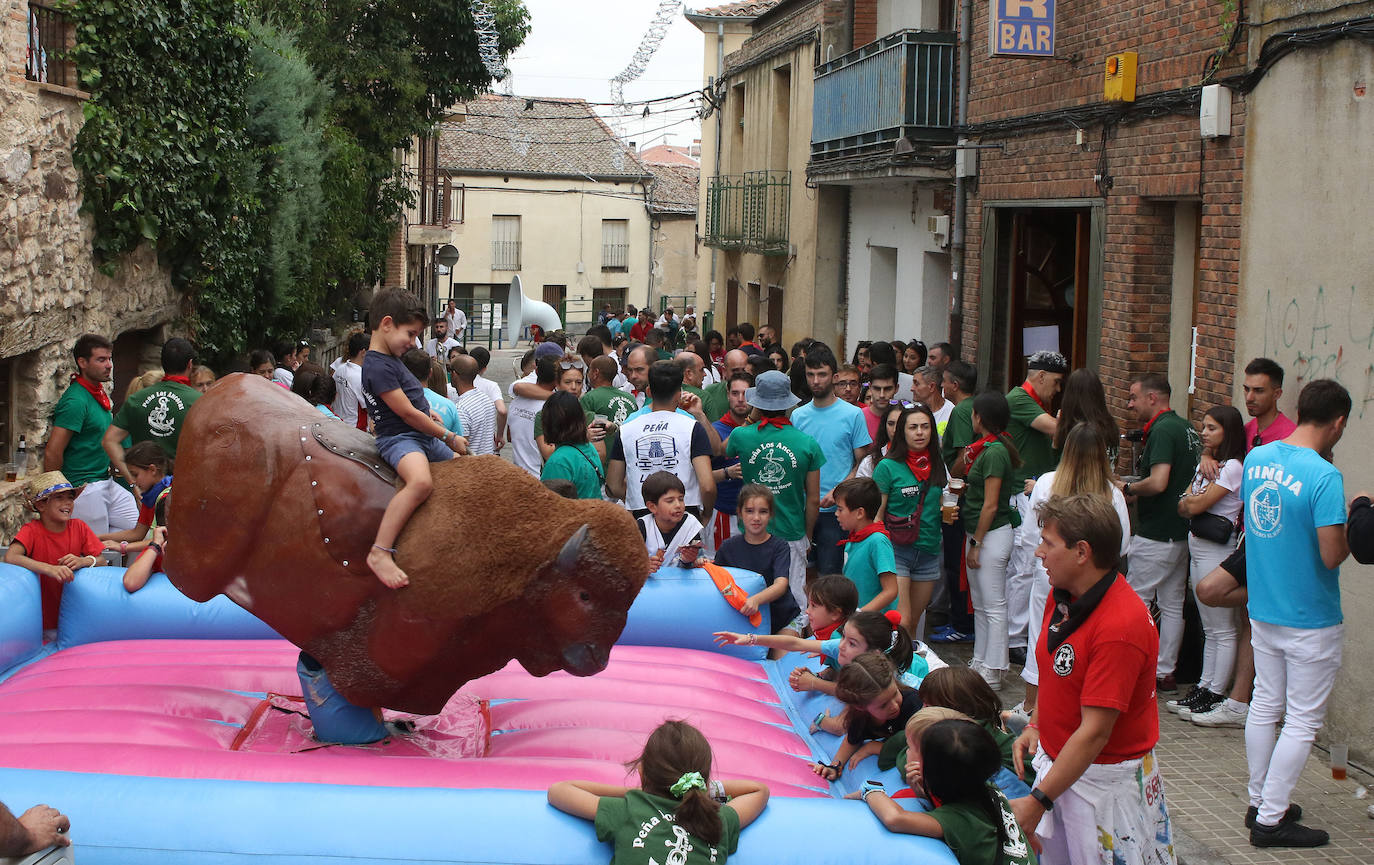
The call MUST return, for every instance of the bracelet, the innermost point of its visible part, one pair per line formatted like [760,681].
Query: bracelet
[94,560]
[1045,801]
[154,545]
[837,766]
[752,639]
[1031,726]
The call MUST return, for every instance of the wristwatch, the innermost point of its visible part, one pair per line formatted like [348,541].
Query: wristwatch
[871,786]
[1126,488]
[1045,801]
[972,542]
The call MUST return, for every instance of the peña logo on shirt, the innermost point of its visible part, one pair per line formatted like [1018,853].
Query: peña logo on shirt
[1063,660]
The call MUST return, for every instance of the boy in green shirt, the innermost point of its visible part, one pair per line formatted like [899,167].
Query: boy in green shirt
[869,561]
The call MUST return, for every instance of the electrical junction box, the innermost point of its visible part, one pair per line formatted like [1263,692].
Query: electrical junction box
[965,162]
[1215,116]
[1120,79]
[939,226]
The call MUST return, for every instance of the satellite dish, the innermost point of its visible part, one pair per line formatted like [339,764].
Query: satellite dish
[447,255]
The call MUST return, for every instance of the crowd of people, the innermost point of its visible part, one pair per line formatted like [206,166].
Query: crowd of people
[866,494]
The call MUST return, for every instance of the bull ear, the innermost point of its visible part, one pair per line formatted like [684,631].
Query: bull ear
[567,557]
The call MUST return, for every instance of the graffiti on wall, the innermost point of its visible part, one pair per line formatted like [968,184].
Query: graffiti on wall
[1325,334]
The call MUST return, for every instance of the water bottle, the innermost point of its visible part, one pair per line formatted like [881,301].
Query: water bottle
[21,460]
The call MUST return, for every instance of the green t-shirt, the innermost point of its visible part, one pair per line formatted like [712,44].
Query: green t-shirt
[579,464]
[539,421]
[1171,440]
[972,837]
[864,561]
[157,414]
[904,493]
[715,400]
[780,459]
[1036,449]
[958,432]
[993,462]
[641,829]
[84,461]
[611,403]
[699,394]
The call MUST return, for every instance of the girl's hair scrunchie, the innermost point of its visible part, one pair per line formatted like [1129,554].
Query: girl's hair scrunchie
[689,781]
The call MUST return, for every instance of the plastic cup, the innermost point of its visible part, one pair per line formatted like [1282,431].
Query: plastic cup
[949,507]
[956,486]
[1340,761]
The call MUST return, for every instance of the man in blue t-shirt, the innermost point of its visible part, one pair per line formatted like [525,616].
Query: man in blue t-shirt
[841,431]
[1294,543]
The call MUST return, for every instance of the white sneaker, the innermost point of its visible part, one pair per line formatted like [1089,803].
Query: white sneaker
[1222,716]
[991,676]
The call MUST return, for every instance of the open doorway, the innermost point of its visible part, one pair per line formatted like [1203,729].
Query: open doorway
[1044,274]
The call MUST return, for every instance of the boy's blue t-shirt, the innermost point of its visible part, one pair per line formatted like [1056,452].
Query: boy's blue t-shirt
[864,560]
[1289,492]
[383,373]
[838,428]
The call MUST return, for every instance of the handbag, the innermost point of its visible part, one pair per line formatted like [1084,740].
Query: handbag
[906,531]
[1212,527]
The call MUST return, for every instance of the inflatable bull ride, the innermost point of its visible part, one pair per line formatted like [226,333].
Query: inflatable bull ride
[188,722]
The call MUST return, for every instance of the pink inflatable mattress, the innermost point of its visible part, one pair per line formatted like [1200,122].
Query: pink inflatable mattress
[179,708]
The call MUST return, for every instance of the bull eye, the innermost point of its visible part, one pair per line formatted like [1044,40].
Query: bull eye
[584,595]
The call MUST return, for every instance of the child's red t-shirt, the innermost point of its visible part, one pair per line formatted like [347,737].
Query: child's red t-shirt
[47,547]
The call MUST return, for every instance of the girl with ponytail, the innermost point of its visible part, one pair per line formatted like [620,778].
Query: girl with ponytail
[878,708]
[675,778]
[989,518]
[956,759]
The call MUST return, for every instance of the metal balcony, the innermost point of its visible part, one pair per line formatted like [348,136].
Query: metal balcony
[900,86]
[749,211]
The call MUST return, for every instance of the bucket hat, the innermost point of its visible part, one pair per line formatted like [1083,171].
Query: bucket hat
[772,391]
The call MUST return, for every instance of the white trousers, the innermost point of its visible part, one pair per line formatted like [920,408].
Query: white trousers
[1218,623]
[1020,573]
[987,585]
[1159,573]
[796,578]
[1039,596]
[106,506]
[726,525]
[1295,669]
[1114,814]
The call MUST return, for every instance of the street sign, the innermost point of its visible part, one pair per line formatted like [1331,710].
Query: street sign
[1021,28]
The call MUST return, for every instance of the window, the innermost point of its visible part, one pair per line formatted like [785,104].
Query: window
[614,296]
[505,243]
[50,38]
[615,245]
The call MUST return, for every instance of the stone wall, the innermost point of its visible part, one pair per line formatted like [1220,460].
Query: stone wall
[50,289]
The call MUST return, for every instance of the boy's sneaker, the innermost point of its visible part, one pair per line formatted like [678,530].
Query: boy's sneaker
[1184,702]
[1222,715]
[1292,815]
[1292,834]
[950,634]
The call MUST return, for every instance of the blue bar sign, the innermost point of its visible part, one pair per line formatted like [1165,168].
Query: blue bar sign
[1022,28]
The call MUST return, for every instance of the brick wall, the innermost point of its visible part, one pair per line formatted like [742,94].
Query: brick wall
[395,274]
[1152,163]
[865,22]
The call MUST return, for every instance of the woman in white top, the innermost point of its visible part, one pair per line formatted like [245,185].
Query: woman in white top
[1083,469]
[886,430]
[1213,509]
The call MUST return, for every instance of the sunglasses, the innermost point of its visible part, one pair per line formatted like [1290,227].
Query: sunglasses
[903,403]
[1256,442]
[572,364]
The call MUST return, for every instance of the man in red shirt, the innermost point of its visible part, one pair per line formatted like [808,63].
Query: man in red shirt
[1096,723]
[1263,387]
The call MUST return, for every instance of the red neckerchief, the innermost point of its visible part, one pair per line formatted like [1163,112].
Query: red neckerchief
[827,632]
[95,390]
[1030,391]
[870,529]
[729,420]
[919,464]
[1146,431]
[976,449]
[178,379]
[751,344]
[778,422]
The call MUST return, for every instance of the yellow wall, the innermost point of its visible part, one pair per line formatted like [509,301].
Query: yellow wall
[557,231]
[675,252]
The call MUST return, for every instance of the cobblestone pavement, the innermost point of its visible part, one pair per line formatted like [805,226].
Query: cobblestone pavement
[1205,775]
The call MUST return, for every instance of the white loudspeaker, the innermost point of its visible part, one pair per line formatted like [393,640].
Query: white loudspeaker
[521,311]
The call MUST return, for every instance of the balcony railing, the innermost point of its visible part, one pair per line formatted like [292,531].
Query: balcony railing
[615,256]
[50,38]
[505,255]
[749,211]
[901,86]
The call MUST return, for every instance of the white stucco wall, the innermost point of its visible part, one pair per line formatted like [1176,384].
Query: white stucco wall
[891,216]
[1307,289]
[894,15]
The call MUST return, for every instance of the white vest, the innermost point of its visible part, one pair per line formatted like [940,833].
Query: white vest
[660,441]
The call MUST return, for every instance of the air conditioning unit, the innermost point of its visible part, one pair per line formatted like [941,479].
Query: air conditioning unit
[939,226]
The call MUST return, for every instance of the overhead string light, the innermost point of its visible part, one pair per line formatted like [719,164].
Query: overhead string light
[648,47]
[488,39]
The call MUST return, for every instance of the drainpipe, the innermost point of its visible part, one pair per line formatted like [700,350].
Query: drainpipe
[956,240]
[720,131]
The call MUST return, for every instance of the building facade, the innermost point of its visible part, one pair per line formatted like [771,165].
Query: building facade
[50,289]
[672,229]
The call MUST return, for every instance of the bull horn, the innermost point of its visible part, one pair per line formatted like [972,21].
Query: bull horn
[567,557]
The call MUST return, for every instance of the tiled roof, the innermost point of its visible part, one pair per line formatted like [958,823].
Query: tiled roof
[561,137]
[746,9]
[674,189]
[666,154]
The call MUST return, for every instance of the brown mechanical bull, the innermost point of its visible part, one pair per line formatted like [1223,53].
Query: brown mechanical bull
[277,506]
